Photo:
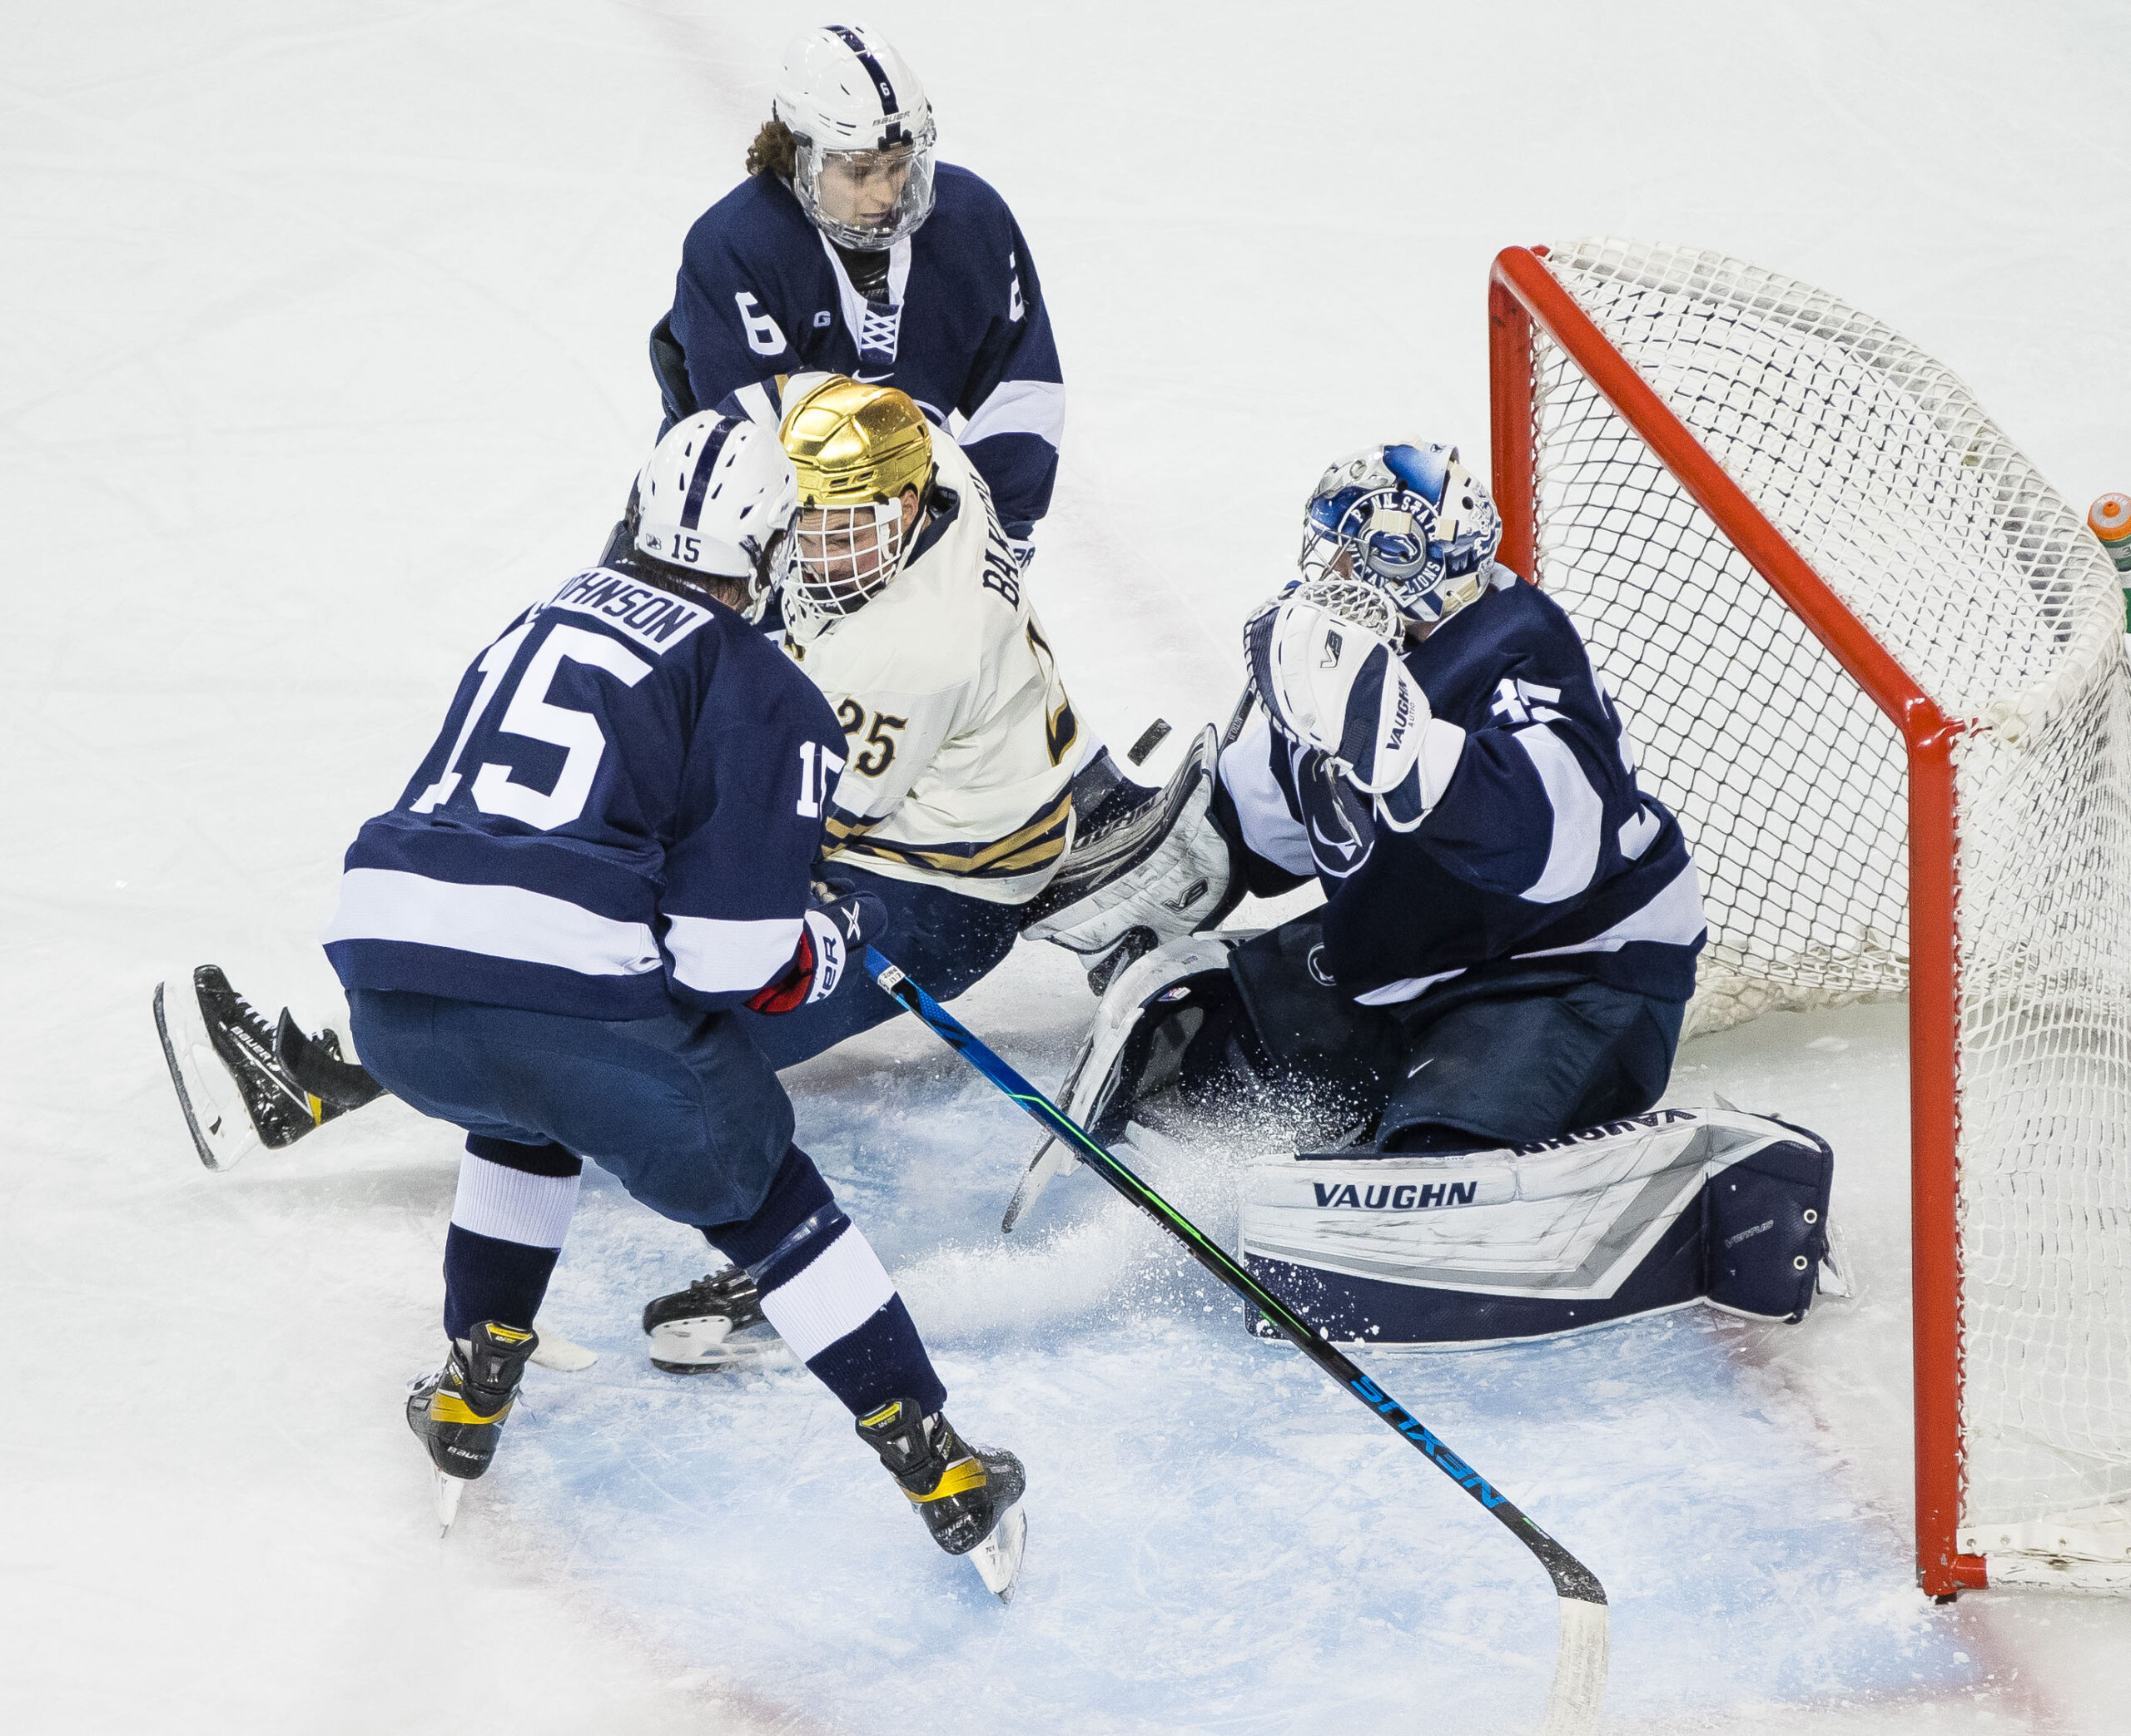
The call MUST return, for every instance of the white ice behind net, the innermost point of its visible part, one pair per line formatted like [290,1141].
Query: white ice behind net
[1882,472]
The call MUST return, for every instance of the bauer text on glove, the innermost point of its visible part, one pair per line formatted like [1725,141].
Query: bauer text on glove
[831,935]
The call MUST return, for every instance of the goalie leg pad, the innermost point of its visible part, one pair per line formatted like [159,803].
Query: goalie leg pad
[1646,1212]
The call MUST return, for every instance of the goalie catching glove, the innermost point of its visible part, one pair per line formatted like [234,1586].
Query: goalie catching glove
[1326,664]
[832,932]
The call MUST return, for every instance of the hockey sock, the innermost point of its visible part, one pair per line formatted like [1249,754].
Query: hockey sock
[825,1292]
[507,1228]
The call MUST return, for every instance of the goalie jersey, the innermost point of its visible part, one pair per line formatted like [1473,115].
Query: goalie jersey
[959,740]
[621,811]
[1542,844]
[962,328]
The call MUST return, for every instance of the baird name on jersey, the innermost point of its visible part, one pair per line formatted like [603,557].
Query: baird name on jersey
[657,620]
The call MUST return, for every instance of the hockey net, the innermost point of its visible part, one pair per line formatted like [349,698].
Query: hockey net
[1876,667]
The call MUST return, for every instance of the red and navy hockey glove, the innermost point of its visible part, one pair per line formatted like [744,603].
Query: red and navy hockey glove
[830,935]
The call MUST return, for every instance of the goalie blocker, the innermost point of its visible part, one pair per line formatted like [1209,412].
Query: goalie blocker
[1646,1212]
[1162,871]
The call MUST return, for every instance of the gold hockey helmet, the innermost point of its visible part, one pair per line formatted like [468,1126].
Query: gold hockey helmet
[852,444]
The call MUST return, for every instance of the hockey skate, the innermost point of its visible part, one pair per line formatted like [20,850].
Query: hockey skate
[458,1413]
[969,1497]
[714,1323]
[233,1088]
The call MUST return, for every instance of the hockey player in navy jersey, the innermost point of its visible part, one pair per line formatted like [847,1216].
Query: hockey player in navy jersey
[607,852]
[850,249]
[1501,963]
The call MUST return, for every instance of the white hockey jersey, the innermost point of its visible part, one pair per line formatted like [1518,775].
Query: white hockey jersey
[960,742]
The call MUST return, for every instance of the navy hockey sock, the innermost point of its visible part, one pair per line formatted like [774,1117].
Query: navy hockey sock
[825,1292]
[507,1228]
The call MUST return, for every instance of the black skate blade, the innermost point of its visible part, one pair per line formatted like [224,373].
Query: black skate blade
[998,1559]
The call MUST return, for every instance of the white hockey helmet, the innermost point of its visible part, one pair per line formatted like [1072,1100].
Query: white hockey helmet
[716,497]
[863,169]
[1411,520]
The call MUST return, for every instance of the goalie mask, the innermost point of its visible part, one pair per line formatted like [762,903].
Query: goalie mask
[863,170]
[715,498]
[856,451]
[1409,520]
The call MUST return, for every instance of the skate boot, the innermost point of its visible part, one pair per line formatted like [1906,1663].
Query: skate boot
[232,1085]
[717,1322]
[458,1413]
[969,1497]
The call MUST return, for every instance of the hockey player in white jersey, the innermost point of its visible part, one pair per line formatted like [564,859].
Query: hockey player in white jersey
[1486,1004]
[954,806]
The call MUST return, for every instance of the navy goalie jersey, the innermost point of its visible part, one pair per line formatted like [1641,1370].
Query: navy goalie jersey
[1541,846]
[963,329]
[622,811]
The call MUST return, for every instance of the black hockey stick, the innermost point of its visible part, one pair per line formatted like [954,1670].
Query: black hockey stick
[1580,1663]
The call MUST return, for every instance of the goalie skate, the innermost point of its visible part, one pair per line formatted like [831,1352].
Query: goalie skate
[1141,1029]
[232,1089]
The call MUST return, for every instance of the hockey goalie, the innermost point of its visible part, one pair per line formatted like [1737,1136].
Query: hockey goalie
[1481,1015]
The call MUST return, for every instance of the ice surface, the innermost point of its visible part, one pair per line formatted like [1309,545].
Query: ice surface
[324,351]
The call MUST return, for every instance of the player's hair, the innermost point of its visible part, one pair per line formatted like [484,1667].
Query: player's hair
[774,152]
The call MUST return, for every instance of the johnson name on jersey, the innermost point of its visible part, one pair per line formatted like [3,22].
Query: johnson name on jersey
[622,809]
[959,739]
[962,328]
[1542,844]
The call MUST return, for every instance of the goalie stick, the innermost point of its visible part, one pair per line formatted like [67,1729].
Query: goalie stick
[1042,1169]
[1579,1684]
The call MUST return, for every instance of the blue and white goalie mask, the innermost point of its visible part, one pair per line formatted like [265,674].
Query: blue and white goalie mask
[1409,520]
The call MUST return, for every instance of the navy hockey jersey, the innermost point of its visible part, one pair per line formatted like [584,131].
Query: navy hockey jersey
[964,330]
[622,810]
[1542,844]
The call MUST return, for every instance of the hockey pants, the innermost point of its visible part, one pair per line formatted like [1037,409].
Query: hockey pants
[1510,1052]
[683,1110]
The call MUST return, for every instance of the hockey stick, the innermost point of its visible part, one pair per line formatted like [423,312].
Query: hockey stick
[1580,1663]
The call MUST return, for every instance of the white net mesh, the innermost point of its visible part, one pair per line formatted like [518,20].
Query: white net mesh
[1883,474]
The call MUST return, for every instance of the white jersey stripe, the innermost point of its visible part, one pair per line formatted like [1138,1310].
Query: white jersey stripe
[500,922]
[716,957]
[1673,918]
[1269,826]
[1579,816]
[1018,406]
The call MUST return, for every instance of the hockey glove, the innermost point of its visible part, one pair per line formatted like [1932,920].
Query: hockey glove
[829,935]
[1345,691]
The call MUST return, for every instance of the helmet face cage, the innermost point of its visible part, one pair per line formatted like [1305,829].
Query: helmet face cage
[838,559]
[884,194]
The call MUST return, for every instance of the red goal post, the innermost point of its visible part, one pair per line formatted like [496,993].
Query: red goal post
[1598,472]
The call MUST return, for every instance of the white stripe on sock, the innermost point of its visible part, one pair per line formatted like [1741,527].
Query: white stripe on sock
[842,1289]
[511,1206]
